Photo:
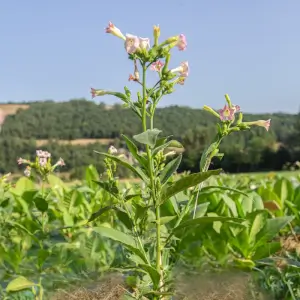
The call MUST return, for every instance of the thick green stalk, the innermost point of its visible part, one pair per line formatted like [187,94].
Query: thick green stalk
[150,161]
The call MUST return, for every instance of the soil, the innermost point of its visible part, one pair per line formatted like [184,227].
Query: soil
[201,287]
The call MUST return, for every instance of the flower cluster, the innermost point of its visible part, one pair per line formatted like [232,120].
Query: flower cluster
[141,50]
[227,116]
[42,164]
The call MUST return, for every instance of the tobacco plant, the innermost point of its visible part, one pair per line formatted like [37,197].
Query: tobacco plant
[155,221]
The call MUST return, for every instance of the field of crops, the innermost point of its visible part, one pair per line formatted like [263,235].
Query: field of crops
[47,244]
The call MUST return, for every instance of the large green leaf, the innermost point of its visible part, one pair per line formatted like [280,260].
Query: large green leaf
[137,171]
[125,239]
[148,137]
[257,225]
[284,189]
[272,228]
[169,169]
[186,182]
[19,283]
[266,250]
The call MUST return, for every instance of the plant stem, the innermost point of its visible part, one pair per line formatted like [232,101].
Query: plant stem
[150,162]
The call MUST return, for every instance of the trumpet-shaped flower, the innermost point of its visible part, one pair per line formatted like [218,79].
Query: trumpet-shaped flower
[27,171]
[183,69]
[156,66]
[226,113]
[111,28]
[144,43]
[96,92]
[262,123]
[132,43]
[182,43]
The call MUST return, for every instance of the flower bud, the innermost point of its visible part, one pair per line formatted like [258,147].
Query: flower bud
[156,34]
[209,109]
[228,100]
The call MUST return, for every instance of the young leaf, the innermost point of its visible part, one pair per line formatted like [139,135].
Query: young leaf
[111,189]
[172,143]
[122,238]
[100,212]
[148,137]
[137,171]
[134,150]
[154,275]
[169,169]
[186,182]
[19,283]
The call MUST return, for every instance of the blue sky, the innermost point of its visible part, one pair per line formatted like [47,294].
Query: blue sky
[58,49]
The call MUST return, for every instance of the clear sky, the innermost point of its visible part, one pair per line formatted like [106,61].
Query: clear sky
[58,49]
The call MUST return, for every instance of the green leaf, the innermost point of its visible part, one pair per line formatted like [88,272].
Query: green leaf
[266,250]
[201,209]
[284,189]
[100,212]
[223,188]
[230,204]
[206,153]
[41,204]
[169,169]
[154,275]
[137,171]
[125,239]
[108,187]
[19,283]
[257,225]
[148,137]
[186,182]
[134,151]
[206,220]
[272,228]
[167,219]
[170,144]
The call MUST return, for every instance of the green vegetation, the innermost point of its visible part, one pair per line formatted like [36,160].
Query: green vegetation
[44,237]
[257,150]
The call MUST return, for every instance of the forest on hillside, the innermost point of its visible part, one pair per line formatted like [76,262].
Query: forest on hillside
[255,150]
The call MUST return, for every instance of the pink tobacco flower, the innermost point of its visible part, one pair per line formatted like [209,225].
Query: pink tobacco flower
[132,43]
[96,93]
[156,66]
[111,28]
[183,69]
[22,161]
[263,123]
[43,154]
[182,43]
[227,113]
[144,43]
[61,162]
[236,108]
[43,161]
[27,171]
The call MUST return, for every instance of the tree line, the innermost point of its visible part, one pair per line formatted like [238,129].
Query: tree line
[255,150]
